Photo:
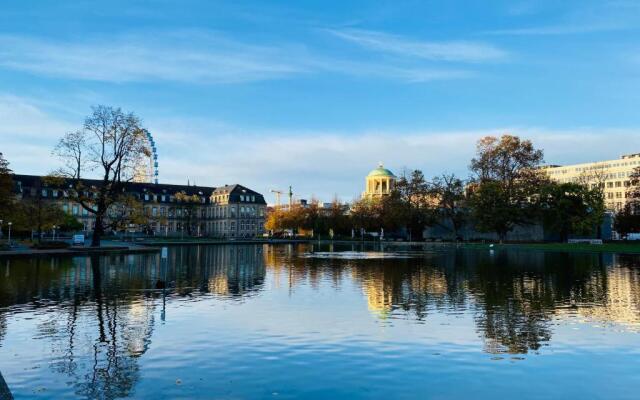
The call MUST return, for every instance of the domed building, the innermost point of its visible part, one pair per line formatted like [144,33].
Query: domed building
[379,183]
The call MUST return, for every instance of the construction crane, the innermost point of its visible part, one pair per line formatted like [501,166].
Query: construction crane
[279,193]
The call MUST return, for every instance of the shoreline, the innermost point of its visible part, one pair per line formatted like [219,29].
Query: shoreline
[152,246]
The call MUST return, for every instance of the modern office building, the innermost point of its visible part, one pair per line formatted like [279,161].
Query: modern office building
[227,211]
[611,175]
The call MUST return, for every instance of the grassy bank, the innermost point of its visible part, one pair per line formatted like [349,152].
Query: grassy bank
[628,248]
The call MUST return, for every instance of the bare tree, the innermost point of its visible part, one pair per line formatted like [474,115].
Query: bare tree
[110,145]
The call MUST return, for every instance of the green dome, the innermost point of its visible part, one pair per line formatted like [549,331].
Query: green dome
[381,171]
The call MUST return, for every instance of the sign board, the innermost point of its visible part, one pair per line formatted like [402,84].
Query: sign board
[164,252]
[78,240]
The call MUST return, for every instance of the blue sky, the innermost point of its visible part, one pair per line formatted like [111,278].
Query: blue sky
[313,94]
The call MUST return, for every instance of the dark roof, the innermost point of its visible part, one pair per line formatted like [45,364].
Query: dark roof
[158,188]
[30,180]
[235,191]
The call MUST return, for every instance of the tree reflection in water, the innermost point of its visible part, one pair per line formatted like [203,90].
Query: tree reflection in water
[102,310]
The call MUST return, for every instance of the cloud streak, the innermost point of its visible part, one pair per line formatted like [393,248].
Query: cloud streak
[199,58]
[448,51]
[192,57]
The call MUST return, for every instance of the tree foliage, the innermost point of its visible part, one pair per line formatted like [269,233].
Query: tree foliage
[506,177]
[449,193]
[571,208]
[6,189]
[627,220]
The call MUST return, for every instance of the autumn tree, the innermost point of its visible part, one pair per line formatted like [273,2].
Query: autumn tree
[38,214]
[365,215]
[189,206]
[127,210]
[109,145]
[505,176]
[336,218]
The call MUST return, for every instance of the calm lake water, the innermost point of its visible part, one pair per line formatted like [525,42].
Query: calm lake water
[323,322]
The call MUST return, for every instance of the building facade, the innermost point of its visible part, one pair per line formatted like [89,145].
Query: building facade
[378,183]
[612,175]
[231,211]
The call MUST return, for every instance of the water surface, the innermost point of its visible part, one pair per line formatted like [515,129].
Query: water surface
[260,321]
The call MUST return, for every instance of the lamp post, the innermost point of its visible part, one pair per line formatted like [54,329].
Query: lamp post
[54,232]
[1,221]
[9,237]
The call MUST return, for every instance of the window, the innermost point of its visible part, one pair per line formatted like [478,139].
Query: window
[65,208]
[54,193]
[154,211]
[609,184]
[44,192]
[618,184]
[74,209]
[618,195]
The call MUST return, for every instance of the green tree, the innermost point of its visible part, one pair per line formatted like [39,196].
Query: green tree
[6,189]
[571,208]
[414,205]
[627,220]
[449,193]
[111,143]
[506,176]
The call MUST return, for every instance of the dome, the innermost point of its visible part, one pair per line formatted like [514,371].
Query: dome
[381,171]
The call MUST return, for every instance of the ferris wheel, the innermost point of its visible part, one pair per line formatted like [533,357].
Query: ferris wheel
[146,170]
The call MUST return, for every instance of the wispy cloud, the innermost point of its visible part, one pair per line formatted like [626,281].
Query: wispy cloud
[178,57]
[590,17]
[556,30]
[192,57]
[450,51]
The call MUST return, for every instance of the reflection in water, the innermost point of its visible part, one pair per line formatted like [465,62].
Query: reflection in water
[101,312]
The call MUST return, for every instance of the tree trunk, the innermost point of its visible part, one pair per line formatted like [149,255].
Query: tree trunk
[97,231]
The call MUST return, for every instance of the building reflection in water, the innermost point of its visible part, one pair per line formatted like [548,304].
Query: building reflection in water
[111,305]
[106,307]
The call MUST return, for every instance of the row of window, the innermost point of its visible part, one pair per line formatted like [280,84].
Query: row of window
[618,195]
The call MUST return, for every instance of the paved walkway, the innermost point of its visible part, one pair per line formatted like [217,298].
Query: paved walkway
[107,247]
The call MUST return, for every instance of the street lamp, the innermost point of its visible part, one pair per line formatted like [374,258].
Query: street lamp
[54,232]
[9,237]
[1,221]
